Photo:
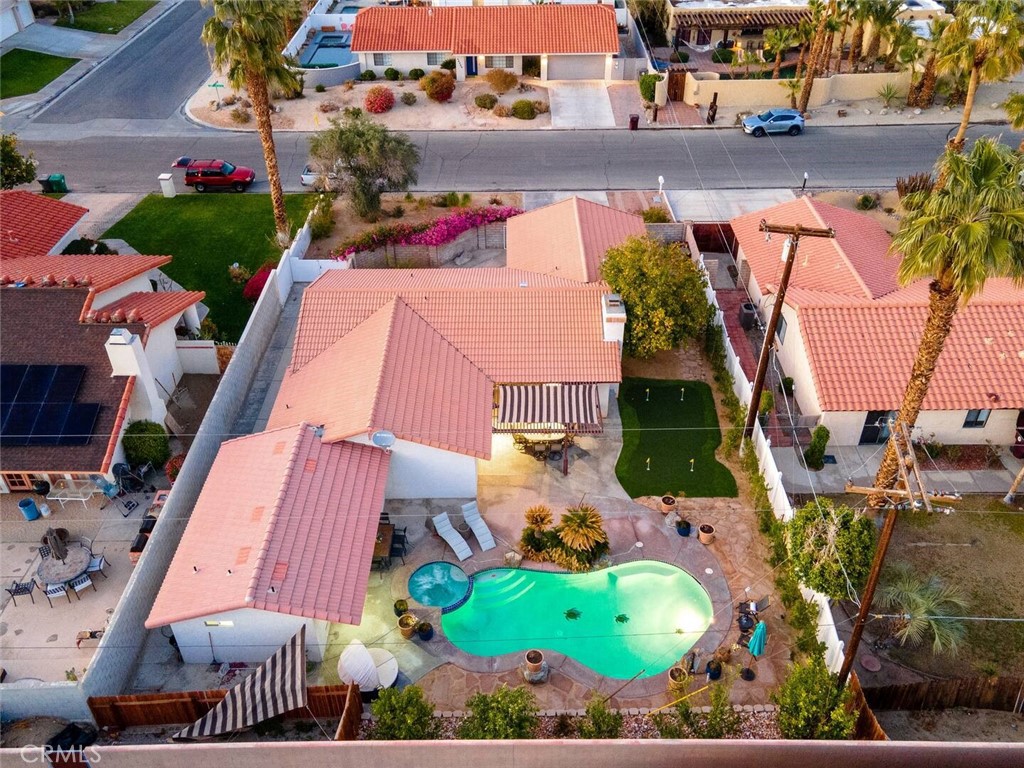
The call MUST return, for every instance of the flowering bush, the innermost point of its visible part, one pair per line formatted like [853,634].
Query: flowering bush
[435,233]
[173,466]
[379,100]
[254,287]
[439,86]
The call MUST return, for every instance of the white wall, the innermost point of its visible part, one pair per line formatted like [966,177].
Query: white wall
[162,352]
[139,283]
[72,234]
[844,426]
[948,427]
[254,637]
[15,15]
[792,358]
[198,356]
[421,472]
[403,62]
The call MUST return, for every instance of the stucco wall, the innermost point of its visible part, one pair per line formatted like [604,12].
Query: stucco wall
[198,356]
[139,283]
[948,427]
[792,358]
[254,636]
[403,62]
[421,472]
[162,351]
[701,86]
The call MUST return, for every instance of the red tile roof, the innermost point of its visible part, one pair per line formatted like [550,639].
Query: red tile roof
[102,272]
[569,238]
[468,30]
[30,224]
[856,263]
[410,381]
[284,523]
[149,307]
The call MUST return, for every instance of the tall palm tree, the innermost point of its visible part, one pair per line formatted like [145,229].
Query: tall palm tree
[884,16]
[792,87]
[910,55]
[822,14]
[804,36]
[833,24]
[861,16]
[968,228]
[1014,107]
[899,36]
[847,8]
[779,40]
[581,528]
[926,608]
[246,38]
[1011,497]
[924,94]
[986,39]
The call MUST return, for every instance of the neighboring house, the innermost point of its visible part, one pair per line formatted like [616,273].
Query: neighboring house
[88,345]
[848,334]
[282,535]
[569,238]
[562,42]
[34,225]
[15,16]
[621,12]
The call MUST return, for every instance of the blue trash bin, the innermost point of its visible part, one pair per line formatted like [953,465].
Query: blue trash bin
[29,509]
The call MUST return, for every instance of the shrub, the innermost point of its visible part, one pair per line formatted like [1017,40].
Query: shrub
[508,713]
[655,215]
[866,202]
[767,404]
[416,74]
[448,64]
[814,456]
[348,85]
[329,106]
[321,224]
[85,245]
[173,466]
[230,100]
[786,385]
[495,200]
[392,74]
[523,109]
[501,80]
[541,107]
[680,57]
[240,115]
[811,707]
[452,199]
[379,99]
[397,212]
[239,274]
[368,75]
[465,199]
[254,287]
[439,86]
[502,110]
[408,98]
[320,88]
[208,330]
[600,722]
[917,182]
[403,715]
[722,55]
[146,442]
[647,84]
[486,100]
[831,547]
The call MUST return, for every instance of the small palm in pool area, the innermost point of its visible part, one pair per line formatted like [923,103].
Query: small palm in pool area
[572,614]
[622,618]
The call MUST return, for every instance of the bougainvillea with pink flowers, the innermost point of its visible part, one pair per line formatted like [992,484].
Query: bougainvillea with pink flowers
[435,233]
[379,99]
[254,287]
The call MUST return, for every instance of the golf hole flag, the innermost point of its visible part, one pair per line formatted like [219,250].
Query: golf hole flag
[278,686]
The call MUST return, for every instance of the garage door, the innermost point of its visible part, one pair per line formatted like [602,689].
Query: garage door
[576,67]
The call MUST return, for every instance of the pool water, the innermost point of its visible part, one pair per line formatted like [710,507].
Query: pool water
[632,619]
[328,49]
[438,584]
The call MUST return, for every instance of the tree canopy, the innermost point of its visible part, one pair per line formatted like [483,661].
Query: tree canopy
[829,544]
[810,706]
[15,168]
[663,291]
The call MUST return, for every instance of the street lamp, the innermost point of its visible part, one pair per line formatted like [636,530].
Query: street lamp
[661,186]
[803,187]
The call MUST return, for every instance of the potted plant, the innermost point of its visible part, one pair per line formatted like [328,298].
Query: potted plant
[706,533]
[534,661]
[677,677]
[407,624]
[713,669]
[668,504]
[401,606]
[173,467]
[425,630]
[683,526]
[764,412]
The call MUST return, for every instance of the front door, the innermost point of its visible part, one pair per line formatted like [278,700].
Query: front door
[470,66]
[876,427]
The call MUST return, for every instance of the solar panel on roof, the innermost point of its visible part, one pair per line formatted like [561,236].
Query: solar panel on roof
[5,409]
[50,424]
[66,383]
[10,381]
[36,384]
[79,425]
[17,426]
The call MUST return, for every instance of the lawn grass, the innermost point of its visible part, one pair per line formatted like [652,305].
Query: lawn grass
[24,71]
[205,234]
[108,18]
[670,422]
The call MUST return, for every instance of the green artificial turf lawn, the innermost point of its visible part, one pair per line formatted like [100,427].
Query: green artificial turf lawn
[670,432]
[24,71]
[108,18]
[206,234]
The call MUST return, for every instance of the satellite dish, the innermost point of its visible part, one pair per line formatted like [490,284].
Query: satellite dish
[383,438]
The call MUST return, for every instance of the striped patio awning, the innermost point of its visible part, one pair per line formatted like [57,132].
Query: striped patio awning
[548,408]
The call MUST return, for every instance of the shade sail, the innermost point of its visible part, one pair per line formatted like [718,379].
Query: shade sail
[357,666]
[548,408]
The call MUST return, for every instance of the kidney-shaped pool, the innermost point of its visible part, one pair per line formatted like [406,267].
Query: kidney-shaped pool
[638,617]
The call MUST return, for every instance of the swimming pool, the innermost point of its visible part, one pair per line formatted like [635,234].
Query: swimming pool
[328,49]
[638,617]
[438,584]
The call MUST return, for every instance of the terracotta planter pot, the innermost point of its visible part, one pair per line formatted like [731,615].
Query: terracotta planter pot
[534,661]
[706,533]
[676,675]
[668,504]
[407,624]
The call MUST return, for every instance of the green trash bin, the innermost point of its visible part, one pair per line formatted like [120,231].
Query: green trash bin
[58,183]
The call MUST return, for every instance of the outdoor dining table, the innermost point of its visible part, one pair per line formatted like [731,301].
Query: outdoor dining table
[66,490]
[76,563]
[382,548]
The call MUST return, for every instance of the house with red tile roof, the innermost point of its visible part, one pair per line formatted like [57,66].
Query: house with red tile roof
[34,225]
[848,333]
[563,42]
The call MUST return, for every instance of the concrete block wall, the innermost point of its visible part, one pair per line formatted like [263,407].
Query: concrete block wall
[487,236]
[667,233]
[65,700]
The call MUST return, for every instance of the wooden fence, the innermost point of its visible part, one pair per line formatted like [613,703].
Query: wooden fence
[1002,693]
[172,708]
[867,727]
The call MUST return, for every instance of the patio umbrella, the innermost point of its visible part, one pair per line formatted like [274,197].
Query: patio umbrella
[58,550]
[356,666]
[756,648]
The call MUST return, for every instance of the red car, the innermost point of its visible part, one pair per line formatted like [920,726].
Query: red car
[215,174]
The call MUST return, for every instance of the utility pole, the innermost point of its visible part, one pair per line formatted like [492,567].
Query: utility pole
[795,232]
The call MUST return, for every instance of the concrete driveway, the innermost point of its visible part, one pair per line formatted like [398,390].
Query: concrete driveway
[580,105]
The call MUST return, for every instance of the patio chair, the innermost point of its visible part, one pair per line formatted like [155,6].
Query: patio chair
[111,491]
[471,515]
[96,565]
[398,541]
[81,583]
[444,529]
[85,541]
[755,607]
[44,551]
[55,590]
[20,589]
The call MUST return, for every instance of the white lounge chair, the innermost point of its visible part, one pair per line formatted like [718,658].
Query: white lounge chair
[446,531]
[471,515]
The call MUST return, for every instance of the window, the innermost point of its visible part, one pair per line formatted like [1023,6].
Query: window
[499,62]
[382,59]
[780,330]
[434,59]
[976,418]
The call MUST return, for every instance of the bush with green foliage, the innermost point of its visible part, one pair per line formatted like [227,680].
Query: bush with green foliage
[523,109]
[767,404]
[679,56]
[786,385]
[814,454]
[448,64]
[146,442]
[810,706]
[867,202]
[508,713]
[576,543]
[15,168]
[408,98]
[655,215]
[486,100]
[85,245]
[722,55]
[403,715]
[600,722]
[416,73]
[392,74]
[439,85]
[321,223]
[647,86]
[320,88]
[831,546]
[501,80]
[367,74]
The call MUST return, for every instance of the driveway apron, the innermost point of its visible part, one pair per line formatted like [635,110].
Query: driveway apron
[581,105]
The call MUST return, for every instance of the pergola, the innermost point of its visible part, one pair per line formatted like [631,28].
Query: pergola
[707,19]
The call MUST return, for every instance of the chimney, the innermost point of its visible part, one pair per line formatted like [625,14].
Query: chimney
[613,316]
[128,358]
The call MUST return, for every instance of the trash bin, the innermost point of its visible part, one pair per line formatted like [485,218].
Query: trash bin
[44,182]
[634,122]
[44,509]
[29,509]
[58,183]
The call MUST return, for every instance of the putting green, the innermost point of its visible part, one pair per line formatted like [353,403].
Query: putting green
[669,436]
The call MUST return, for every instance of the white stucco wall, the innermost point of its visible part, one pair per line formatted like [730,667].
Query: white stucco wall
[15,16]
[403,62]
[944,426]
[254,636]
[421,472]
[792,358]
[139,283]
[162,351]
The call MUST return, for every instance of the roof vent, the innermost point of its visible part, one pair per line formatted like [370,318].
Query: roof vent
[523,284]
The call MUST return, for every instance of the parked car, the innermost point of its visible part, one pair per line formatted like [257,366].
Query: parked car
[215,174]
[774,121]
[311,178]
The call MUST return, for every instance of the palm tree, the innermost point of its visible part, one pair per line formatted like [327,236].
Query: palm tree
[847,9]
[1011,497]
[861,15]
[987,40]
[924,94]
[968,228]
[1014,107]
[884,16]
[581,528]
[822,14]
[793,89]
[246,39]
[538,516]
[926,608]
[833,24]
[779,40]
[910,55]
[750,59]
[804,36]
[900,35]
[294,12]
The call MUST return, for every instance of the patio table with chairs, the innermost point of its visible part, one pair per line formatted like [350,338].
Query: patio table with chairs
[66,490]
[70,569]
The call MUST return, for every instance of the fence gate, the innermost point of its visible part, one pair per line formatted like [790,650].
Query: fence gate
[676,82]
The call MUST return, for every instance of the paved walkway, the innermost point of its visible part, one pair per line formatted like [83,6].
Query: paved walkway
[105,209]
[581,105]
